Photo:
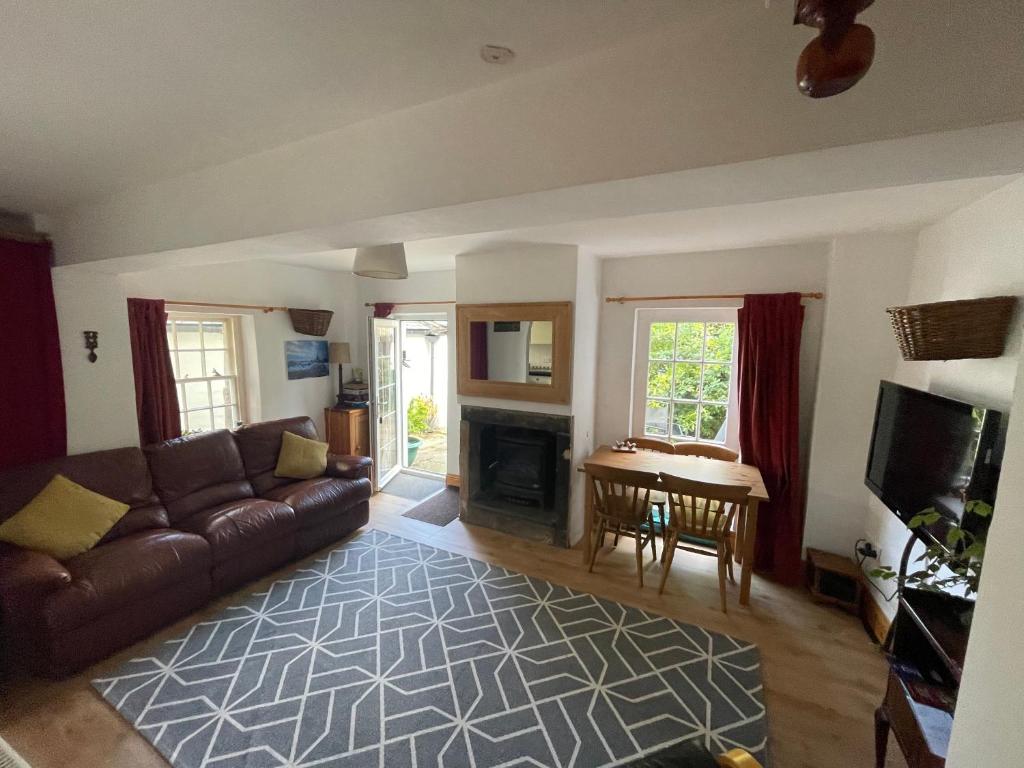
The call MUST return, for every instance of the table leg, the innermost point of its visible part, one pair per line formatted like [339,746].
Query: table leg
[741,535]
[588,518]
[749,537]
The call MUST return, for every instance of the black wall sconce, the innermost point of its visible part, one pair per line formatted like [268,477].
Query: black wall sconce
[92,340]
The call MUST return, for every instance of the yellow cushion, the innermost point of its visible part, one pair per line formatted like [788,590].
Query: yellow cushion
[63,520]
[301,458]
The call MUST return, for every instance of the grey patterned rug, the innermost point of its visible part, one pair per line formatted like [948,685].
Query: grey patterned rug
[391,653]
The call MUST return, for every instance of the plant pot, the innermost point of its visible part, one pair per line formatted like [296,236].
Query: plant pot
[412,449]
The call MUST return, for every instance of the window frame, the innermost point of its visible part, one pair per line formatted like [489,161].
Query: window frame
[645,318]
[234,351]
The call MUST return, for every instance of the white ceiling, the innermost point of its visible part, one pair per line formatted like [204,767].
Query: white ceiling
[706,229]
[98,96]
[103,96]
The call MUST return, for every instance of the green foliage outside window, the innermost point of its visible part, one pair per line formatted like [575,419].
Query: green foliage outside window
[688,362]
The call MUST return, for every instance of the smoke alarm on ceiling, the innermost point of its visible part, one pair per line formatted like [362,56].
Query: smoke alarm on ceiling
[497,54]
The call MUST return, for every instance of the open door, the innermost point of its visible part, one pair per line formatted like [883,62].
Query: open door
[385,399]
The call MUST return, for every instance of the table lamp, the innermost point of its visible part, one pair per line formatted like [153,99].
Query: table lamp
[340,353]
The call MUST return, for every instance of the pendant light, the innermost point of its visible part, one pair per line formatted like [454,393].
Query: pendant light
[385,262]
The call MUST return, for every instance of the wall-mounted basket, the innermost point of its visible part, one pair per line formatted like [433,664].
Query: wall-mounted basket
[953,330]
[311,322]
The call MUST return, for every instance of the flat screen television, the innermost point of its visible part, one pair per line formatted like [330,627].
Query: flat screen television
[931,451]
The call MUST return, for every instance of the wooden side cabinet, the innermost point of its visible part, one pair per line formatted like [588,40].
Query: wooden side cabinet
[348,430]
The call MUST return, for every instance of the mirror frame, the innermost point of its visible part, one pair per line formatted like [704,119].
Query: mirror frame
[559,313]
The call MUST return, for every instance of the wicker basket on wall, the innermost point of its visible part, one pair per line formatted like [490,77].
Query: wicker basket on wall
[311,322]
[953,330]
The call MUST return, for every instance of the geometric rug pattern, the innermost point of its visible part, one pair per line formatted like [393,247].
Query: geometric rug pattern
[388,652]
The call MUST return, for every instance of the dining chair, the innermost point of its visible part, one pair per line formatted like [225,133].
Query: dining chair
[701,512]
[654,445]
[621,503]
[707,450]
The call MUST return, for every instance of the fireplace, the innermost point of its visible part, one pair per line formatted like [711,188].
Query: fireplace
[515,472]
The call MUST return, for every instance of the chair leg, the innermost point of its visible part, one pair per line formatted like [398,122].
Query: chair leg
[721,575]
[640,558]
[598,541]
[654,536]
[618,530]
[668,552]
[728,561]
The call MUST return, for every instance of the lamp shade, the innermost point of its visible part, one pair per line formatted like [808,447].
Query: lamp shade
[340,352]
[386,262]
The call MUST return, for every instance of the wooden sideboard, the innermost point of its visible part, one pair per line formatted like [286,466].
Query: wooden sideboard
[926,655]
[348,430]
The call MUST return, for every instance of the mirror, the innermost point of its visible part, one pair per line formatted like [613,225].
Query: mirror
[515,351]
[511,350]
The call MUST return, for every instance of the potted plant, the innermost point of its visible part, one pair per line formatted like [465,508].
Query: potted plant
[420,417]
[956,564]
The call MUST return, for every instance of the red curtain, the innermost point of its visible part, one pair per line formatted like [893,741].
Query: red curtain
[769,400]
[156,396]
[478,350]
[382,309]
[33,424]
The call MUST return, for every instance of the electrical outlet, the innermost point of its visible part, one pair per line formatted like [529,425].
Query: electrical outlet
[867,549]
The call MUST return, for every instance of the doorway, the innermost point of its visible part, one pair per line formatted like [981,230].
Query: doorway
[409,382]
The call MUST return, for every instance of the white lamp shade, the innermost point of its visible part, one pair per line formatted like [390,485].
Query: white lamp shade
[386,262]
[340,352]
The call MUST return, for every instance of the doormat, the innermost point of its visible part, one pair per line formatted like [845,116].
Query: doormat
[413,486]
[439,509]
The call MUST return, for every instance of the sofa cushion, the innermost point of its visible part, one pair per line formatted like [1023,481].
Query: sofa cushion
[234,527]
[108,577]
[300,457]
[197,472]
[260,445]
[319,499]
[63,520]
[120,474]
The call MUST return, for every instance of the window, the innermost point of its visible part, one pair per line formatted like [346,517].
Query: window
[205,353]
[685,383]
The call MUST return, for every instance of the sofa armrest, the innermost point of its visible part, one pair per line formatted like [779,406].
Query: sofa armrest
[348,467]
[26,576]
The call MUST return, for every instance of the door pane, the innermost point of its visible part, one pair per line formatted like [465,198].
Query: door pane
[656,418]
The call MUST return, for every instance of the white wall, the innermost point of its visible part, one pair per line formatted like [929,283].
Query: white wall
[586,312]
[974,252]
[987,728]
[101,396]
[752,270]
[866,274]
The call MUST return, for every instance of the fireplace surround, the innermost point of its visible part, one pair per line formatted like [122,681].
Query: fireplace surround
[515,472]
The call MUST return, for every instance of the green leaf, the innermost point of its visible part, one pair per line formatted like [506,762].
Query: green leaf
[979,508]
[954,536]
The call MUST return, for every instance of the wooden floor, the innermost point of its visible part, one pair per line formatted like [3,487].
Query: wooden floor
[823,677]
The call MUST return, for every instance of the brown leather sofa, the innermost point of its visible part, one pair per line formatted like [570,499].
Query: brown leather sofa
[206,515]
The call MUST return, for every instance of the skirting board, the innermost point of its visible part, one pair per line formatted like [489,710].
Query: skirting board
[452,480]
[874,618]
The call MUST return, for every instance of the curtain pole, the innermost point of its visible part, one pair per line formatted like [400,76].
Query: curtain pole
[624,299]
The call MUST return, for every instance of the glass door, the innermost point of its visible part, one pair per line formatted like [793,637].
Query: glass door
[386,399]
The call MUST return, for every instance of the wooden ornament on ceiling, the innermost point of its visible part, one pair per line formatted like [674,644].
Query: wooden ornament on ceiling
[842,52]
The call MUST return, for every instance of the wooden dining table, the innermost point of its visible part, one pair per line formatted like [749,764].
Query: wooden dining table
[695,468]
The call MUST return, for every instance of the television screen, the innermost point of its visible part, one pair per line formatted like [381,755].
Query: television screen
[931,451]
